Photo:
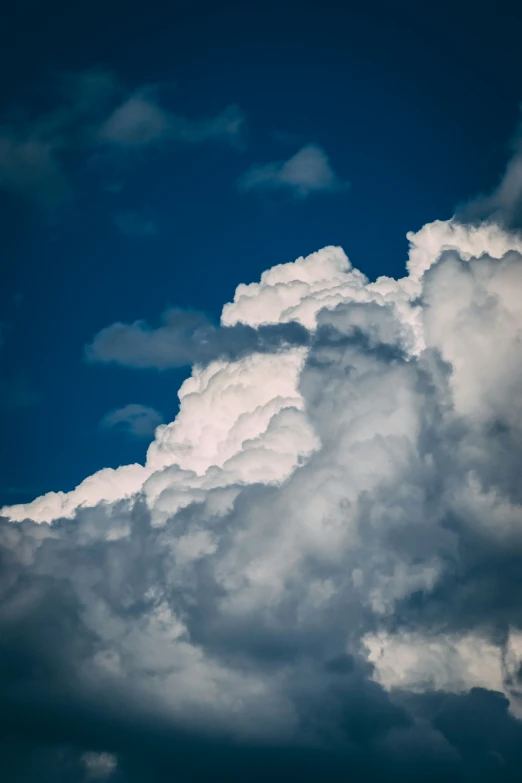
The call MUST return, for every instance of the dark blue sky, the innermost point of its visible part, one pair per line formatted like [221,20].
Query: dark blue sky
[414,103]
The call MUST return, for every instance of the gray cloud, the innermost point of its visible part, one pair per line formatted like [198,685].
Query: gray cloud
[94,112]
[62,717]
[504,204]
[305,173]
[29,166]
[32,147]
[139,421]
[187,337]
[141,120]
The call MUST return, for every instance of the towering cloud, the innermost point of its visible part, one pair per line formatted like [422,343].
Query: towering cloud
[317,571]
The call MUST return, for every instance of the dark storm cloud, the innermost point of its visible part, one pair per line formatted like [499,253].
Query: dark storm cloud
[62,721]
[188,337]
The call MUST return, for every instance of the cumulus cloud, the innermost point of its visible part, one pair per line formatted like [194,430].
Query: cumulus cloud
[92,112]
[316,573]
[307,172]
[139,421]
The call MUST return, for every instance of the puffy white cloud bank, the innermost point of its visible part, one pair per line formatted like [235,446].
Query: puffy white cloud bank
[323,550]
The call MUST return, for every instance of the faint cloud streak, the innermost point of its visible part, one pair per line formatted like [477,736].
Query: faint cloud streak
[307,172]
[138,421]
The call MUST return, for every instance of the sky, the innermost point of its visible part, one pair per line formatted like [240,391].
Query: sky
[414,107]
[298,544]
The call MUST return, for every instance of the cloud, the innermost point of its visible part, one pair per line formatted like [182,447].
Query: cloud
[316,573]
[99,766]
[187,337]
[139,421]
[94,112]
[29,166]
[136,224]
[305,173]
[135,123]
[140,121]
[32,147]
[504,204]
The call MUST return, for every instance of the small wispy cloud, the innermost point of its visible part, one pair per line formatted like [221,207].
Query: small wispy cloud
[99,766]
[307,172]
[29,167]
[188,337]
[136,122]
[135,224]
[94,113]
[138,421]
[504,204]
[141,120]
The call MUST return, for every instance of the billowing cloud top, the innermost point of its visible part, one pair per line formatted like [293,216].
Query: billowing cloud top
[322,552]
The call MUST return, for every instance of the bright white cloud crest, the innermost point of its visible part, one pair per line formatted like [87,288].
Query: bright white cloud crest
[300,492]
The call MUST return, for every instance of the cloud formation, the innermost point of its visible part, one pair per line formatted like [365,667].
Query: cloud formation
[307,172]
[140,121]
[93,112]
[139,421]
[316,573]
[504,204]
[188,337]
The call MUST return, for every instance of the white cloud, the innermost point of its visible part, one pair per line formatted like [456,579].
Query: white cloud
[305,173]
[442,662]
[139,421]
[355,498]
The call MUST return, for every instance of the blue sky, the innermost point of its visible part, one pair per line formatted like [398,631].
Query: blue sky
[414,106]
